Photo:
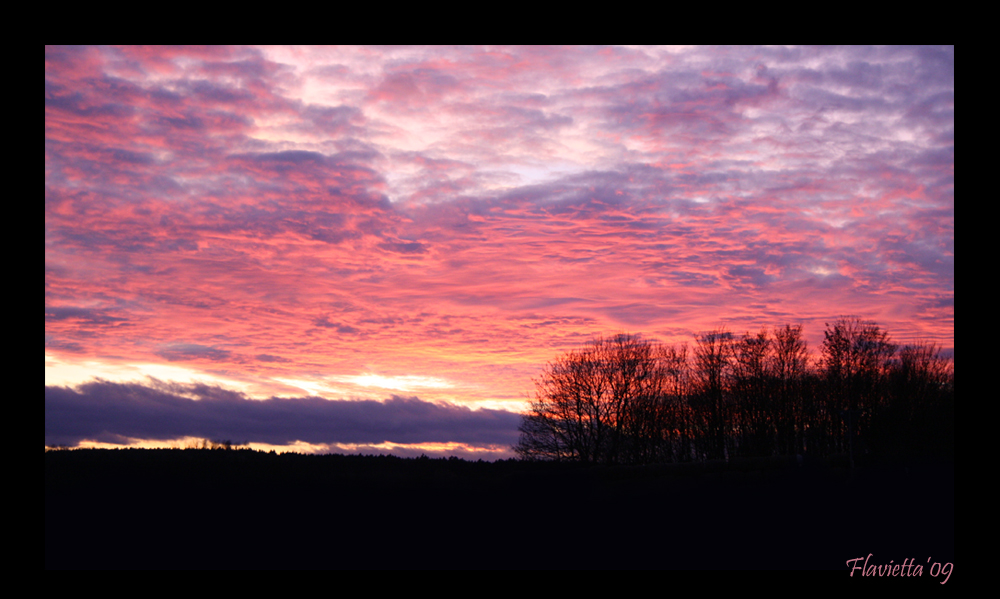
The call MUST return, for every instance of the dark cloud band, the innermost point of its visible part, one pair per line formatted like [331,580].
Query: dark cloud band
[106,411]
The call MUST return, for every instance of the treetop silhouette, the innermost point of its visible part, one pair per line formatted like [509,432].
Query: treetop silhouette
[625,399]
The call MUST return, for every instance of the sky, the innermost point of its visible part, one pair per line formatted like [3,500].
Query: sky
[377,249]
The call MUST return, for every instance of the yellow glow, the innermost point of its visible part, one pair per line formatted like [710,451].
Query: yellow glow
[400,383]
[307,448]
[413,447]
[65,372]
[62,373]
[310,387]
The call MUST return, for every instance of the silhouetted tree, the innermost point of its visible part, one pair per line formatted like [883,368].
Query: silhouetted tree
[787,366]
[626,400]
[856,359]
[678,417]
[919,415]
[568,418]
[920,377]
[604,403]
[753,412]
[713,360]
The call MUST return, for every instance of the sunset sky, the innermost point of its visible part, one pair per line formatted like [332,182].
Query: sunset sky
[375,249]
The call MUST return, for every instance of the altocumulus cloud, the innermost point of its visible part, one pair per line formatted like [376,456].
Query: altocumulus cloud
[112,412]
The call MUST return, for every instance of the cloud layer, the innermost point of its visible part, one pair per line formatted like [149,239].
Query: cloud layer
[287,218]
[104,411]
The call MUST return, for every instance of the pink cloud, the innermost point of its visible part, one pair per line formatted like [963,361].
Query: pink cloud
[200,212]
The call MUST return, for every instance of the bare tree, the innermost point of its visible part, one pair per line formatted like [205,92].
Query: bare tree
[678,418]
[753,414]
[626,400]
[568,418]
[713,361]
[920,375]
[919,415]
[604,403]
[856,358]
[788,365]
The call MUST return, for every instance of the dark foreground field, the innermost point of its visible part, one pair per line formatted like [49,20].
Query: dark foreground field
[244,509]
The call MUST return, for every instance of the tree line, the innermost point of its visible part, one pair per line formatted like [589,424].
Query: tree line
[627,400]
